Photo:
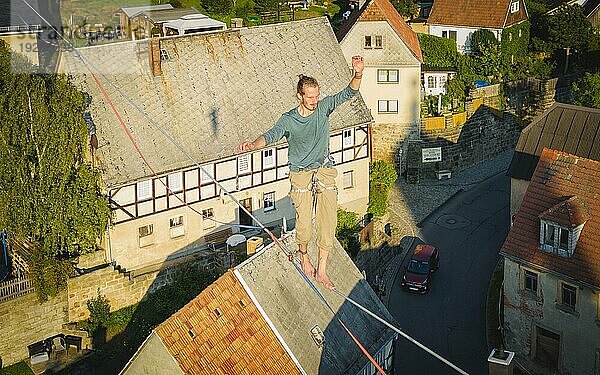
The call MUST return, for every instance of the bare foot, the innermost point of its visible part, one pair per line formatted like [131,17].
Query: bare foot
[307,267]
[324,279]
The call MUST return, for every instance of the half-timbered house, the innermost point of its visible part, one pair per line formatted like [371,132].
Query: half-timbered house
[183,104]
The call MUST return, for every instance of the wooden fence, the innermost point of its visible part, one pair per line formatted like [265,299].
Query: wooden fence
[15,288]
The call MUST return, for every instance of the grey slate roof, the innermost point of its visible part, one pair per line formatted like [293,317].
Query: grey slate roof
[215,91]
[294,308]
[563,127]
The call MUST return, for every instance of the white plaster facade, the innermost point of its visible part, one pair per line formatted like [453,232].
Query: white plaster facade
[146,203]
[391,80]
[527,314]
[463,35]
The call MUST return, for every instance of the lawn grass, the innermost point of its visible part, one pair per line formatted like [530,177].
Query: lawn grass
[493,312]
[20,368]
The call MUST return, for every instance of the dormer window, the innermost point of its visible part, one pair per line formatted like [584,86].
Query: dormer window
[561,225]
[556,239]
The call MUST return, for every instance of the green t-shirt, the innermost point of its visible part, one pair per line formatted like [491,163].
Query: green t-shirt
[308,137]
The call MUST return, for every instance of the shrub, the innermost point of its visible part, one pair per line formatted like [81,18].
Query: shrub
[346,230]
[382,177]
[99,312]
[382,173]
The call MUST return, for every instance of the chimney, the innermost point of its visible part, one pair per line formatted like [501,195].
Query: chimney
[155,56]
[500,362]
[237,23]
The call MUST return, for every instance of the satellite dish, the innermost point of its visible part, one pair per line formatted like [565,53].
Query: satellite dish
[236,239]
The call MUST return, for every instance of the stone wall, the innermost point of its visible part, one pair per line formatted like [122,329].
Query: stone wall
[390,142]
[24,321]
[123,289]
[487,133]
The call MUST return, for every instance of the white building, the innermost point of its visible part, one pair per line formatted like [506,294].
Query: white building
[391,82]
[459,19]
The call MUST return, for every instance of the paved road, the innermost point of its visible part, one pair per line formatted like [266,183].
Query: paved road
[468,230]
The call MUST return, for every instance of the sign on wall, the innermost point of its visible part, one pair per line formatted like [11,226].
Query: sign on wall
[430,155]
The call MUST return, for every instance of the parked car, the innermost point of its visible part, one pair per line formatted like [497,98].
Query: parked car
[424,261]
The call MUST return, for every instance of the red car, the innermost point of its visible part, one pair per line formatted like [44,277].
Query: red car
[424,261]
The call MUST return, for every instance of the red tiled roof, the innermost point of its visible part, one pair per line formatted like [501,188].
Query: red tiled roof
[383,10]
[558,176]
[237,342]
[569,213]
[493,14]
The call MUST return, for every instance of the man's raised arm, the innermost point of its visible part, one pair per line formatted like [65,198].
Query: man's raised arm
[358,65]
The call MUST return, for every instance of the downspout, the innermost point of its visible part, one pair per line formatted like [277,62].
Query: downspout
[3,234]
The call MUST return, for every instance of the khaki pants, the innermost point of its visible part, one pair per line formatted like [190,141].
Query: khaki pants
[325,194]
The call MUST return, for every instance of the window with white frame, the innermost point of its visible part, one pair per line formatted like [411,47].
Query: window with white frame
[348,179]
[208,215]
[144,190]
[368,41]
[568,296]
[549,231]
[431,82]
[449,34]
[207,173]
[530,281]
[269,201]
[556,239]
[164,55]
[176,226]
[175,182]
[176,221]
[146,230]
[514,6]
[243,164]
[268,158]
[388,75]
[348,138]
[387,106]
[378,41]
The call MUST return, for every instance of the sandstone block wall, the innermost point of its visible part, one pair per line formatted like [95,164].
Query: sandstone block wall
[389,142]
[24,321]
[120,289]
[486,134]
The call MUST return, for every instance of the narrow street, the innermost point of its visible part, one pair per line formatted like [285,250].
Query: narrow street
[468,230]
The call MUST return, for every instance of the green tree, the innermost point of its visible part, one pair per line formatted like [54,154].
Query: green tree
[565,35]
[406,8]
[244,8]
[49,194]
[438,52]
[481,39]
[221,7]
[586,91]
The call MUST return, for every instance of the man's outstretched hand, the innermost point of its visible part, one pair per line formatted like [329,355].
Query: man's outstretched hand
[358,64]
[245,146]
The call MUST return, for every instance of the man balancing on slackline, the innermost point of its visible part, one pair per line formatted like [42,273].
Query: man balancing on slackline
[312,175]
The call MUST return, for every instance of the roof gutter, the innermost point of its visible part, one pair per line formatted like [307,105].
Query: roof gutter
[237,274]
